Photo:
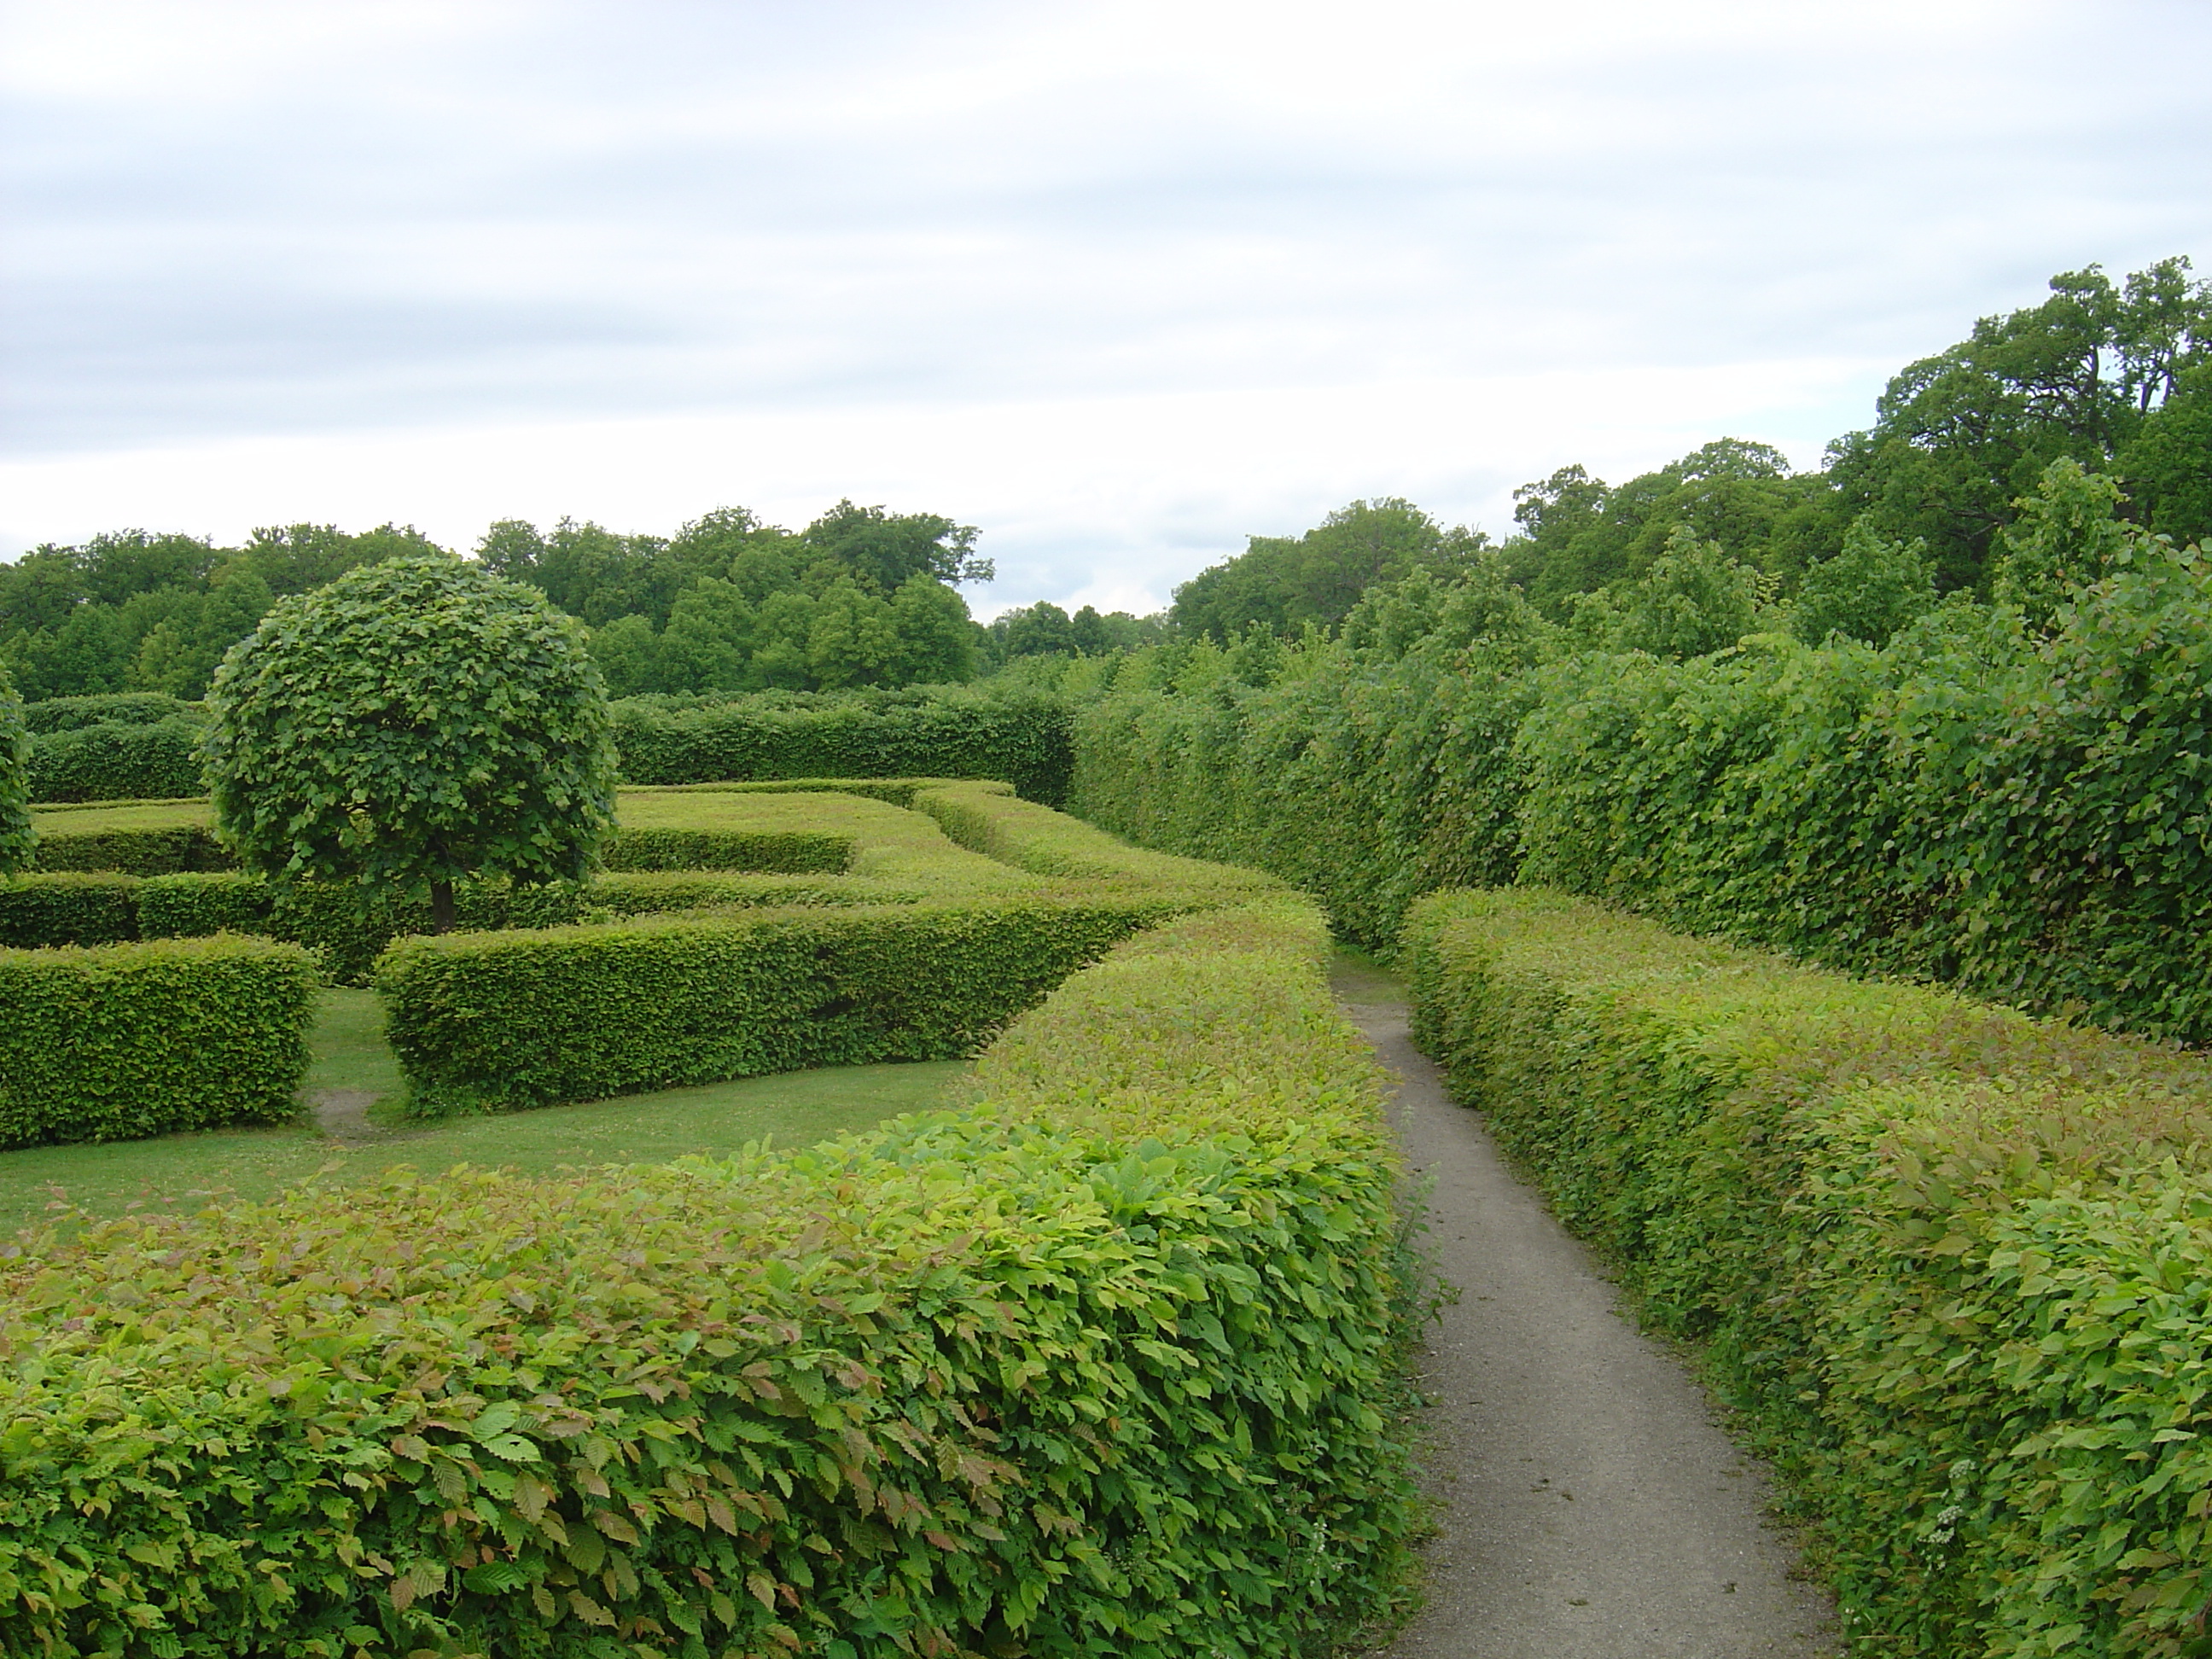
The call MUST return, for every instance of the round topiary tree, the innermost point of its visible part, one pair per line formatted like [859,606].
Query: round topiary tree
[413,723]
[16,837]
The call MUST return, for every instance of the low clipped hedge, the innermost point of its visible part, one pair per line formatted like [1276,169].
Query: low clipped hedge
[112,759]
[987,817]
[945,731]
[1082,1370]
[1953,1262]
[504,1020]
[43,910]
[165,850]
[121,1041]
[786,851]
[39,911]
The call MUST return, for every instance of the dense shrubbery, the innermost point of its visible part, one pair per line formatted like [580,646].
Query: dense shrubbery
[145,850]
[15,782]
[1952,1260]
[108,708]
[985,819]
[783,850]
[1078,1371]
[128,1039]
[2024,811]
[118,760]
[79,907]
[497,1021]
[929,732]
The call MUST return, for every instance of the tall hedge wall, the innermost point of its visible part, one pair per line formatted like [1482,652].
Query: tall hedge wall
[117,760]
[1955,1263]
[943,732]
[1068,1373]
[2027,814]
[122,1041]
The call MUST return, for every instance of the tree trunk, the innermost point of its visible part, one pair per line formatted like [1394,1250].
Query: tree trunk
[441,907]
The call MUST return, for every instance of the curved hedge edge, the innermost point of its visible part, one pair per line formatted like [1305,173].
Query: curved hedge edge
[988,820]
[965,1384]
[892,792]
[1954,1263]
[786,851]
[505,1021]
[123,1041]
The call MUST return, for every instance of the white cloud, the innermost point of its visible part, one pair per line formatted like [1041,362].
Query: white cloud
[1121,282]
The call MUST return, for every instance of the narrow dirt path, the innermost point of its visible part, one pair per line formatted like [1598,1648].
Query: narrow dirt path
[1591,1507]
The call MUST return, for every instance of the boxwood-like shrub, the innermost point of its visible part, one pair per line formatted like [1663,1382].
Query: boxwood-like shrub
[120,1041]
[1955,1263]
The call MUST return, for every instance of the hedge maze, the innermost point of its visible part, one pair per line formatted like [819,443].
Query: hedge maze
[1105,1360]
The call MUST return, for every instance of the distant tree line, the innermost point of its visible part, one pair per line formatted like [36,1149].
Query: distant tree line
[860,597]
[2114,377]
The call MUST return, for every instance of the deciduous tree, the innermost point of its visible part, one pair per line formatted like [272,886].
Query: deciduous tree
[414,723]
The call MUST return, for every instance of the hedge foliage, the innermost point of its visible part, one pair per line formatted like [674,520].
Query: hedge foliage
[15,781]
[108,708]
[83,907]
[1077,1371]
[122,1041]
[786,851]
[153,850]
[986,818]
[118,760]
[946,731]
[2025,812]
[503,1020]
[1955,1263]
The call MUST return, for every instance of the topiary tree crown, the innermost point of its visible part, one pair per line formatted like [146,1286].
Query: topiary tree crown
[15,837]
[413,723]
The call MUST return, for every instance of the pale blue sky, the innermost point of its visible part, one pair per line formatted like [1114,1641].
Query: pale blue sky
[1119,282]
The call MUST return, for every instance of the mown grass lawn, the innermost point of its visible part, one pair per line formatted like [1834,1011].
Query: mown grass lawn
[349,1054]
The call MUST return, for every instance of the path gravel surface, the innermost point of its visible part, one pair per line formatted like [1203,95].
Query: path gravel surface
[1591,1508]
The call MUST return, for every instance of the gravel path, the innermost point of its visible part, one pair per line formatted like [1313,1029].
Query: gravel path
[1591,1508]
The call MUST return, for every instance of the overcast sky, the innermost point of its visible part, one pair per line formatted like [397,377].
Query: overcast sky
[1119,282]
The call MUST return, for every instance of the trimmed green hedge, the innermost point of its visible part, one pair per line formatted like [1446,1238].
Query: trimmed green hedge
[115,761]
[1066,1375]
[152,852]
[786,851]
[107,708]
[123,1041]
[499,1021]
[1367,778]
[1954,1263]
[16,837]
[944,732]
[985,819]
[38,911]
